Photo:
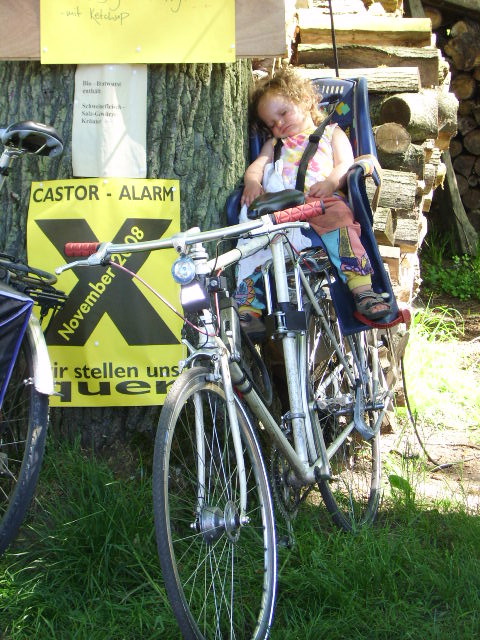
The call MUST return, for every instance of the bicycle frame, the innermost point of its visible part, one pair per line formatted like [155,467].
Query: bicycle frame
[223,351]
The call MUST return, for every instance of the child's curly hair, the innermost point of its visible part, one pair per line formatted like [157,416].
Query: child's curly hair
[289,84]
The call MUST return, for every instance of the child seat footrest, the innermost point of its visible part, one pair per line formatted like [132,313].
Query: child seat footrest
[403,315]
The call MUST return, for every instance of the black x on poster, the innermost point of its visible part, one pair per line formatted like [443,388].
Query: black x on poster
[114,343]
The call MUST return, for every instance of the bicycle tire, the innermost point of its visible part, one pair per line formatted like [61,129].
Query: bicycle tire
[220,577]
[23,430]
[352,494]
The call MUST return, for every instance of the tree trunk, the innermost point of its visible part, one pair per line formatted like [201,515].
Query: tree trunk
[196,132]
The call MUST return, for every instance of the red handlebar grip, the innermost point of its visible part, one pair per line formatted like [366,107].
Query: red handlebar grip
[302,212]
[80,249]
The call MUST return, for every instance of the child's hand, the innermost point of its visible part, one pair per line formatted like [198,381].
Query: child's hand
[251,191]
[323,189]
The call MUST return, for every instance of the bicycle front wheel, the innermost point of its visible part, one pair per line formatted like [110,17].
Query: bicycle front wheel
[219,571]
[352,494]
[23,429]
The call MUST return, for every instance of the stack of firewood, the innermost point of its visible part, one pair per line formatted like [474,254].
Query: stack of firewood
[462,47]
[412,108]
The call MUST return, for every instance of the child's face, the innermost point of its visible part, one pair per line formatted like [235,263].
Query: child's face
[282,116]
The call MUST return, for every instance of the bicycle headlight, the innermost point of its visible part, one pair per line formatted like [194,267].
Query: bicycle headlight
[183,270]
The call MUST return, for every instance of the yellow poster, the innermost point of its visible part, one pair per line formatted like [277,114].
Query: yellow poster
[114,343]
[131,31]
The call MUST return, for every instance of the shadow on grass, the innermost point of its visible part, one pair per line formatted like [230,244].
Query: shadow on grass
[85,568]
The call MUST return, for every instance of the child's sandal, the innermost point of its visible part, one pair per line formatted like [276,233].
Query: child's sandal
[366,300]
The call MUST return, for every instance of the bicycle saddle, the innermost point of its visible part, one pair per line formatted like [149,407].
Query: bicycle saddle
[271,202]
[32,137]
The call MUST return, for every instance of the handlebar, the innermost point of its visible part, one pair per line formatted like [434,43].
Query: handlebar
[80,249]
[100,254]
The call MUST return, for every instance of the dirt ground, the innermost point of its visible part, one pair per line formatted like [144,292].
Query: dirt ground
[453,470]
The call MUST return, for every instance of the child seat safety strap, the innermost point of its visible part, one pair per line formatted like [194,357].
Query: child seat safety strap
[308,154]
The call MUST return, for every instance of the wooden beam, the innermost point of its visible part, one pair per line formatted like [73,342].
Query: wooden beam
[315,28]
[259,32]
[427,59]
[380,80]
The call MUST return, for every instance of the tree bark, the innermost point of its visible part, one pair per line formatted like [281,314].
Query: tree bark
[197,133]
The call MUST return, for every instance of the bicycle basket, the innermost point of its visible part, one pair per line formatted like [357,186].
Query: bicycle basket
[15,310]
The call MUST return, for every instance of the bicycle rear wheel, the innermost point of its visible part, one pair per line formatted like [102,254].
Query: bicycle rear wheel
[219,573]
[23,429]
[352,494]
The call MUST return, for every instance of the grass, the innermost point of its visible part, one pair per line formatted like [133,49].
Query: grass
[85,566]
[455,275]
[442,386]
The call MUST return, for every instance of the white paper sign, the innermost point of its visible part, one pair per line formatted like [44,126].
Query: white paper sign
[109,121]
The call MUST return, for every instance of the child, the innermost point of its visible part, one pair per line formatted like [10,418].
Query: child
[285,106]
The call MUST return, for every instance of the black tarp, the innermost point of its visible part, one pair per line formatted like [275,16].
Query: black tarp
[15,310]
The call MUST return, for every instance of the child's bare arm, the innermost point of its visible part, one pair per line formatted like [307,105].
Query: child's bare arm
[254,174]
[342,161]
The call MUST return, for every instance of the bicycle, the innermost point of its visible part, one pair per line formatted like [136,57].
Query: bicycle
[213,508]
[26,380]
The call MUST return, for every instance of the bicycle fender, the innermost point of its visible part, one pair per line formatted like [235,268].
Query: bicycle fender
[43,377]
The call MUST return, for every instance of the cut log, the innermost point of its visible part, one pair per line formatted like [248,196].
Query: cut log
[471,197]
[456,147]
[408,234]
[426,59]
[463,86]
[380,81]
[314,28]
[435,16]
[395,151]
[471,142]
[476,112]
[464,50]
[476,167]
[466,124]
[447,118]
[417,112]
[391,257]
[465,107]
[440,175]
[429,175]
[384,226]
[464,26]
[463,164]
[398,190]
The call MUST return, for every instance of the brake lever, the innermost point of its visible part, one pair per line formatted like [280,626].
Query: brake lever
[99,258]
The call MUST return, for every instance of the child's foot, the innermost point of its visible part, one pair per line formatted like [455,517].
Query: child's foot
[371,305]
[253,326]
